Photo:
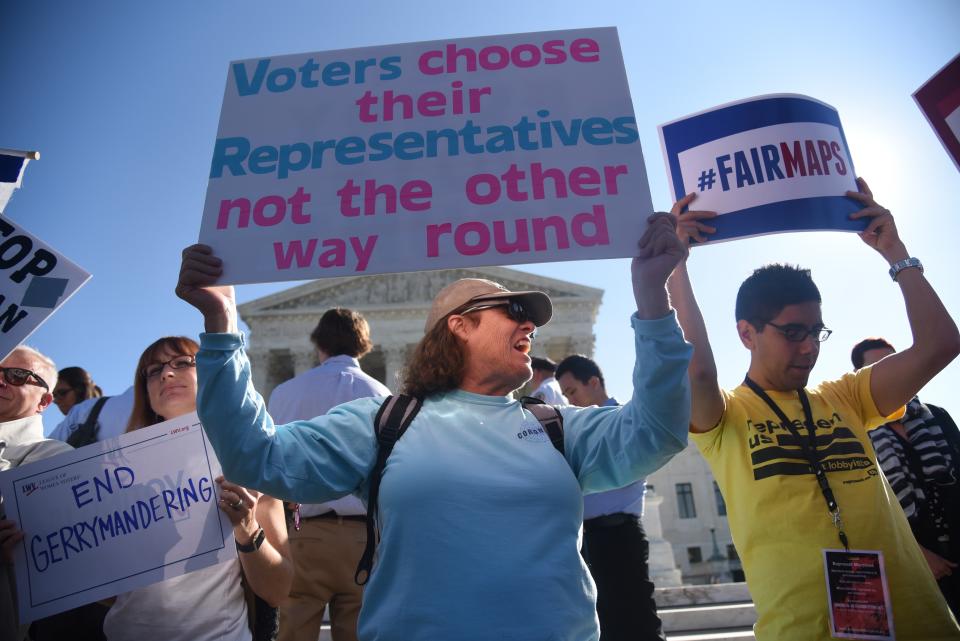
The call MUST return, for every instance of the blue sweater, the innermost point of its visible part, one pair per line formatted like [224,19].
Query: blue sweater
[479,514]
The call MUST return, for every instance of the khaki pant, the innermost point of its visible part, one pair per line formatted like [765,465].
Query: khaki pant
[325,555]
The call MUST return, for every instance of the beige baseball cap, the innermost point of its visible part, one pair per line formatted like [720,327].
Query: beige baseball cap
[459,294]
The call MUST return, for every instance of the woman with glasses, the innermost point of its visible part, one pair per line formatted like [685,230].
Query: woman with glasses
[208,604]
[74,384]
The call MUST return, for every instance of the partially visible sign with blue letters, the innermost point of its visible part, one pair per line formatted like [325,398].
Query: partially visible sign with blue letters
[115,516]
[774,163]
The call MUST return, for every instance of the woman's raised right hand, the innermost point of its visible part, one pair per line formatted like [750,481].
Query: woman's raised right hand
[199,272]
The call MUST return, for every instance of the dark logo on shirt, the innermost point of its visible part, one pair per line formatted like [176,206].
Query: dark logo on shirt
[776,451]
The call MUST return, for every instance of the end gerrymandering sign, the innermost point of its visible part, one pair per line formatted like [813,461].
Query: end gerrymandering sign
[478,151]
[36,282]
[768,164]
[115,516]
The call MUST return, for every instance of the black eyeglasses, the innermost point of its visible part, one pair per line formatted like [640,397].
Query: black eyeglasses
[515,309]
[18,376]
[154,370]
[60,393]
[797,333]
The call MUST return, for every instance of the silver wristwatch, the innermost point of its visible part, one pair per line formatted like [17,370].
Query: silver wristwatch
[906,263]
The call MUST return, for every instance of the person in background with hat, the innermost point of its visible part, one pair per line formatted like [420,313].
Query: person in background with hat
[479,512]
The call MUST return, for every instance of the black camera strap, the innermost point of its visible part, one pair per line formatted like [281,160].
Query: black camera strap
[809,448]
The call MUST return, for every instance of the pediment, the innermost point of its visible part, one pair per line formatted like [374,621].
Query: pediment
[412,290]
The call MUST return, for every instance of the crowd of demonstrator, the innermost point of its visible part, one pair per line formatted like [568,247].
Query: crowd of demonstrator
[492,517]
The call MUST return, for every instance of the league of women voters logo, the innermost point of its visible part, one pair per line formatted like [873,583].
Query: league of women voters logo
[52,481]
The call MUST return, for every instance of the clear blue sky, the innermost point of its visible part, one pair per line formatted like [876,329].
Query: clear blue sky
[123,99]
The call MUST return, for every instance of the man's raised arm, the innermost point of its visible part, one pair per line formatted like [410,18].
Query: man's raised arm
[706,400]
[936,341]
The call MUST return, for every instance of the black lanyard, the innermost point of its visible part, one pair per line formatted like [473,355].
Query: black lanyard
[809,448]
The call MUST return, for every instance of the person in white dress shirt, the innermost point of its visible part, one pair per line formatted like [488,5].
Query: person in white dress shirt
[332,536]
[544,385]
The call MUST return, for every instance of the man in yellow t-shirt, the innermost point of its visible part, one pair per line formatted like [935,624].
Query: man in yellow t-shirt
[825,546]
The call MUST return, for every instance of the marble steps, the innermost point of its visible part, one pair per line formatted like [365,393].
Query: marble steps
[719,612]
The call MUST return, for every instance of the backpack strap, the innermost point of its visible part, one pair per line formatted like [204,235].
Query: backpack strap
[393,419]
[550,419]
[86,433]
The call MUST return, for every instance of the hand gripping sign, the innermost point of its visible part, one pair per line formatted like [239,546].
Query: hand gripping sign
[768,164]
[465,152]
[115,516]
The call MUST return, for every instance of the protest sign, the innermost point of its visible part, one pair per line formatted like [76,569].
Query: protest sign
[13,163]
[465,152]
[36,282]
[114,516]
[768,164]
[939,100]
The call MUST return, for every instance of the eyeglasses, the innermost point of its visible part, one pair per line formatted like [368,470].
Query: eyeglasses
[17,376]
[515,309]
[60,393]
[154,370]
[797,333]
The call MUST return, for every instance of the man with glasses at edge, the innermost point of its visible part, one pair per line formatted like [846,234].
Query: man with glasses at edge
[26,378]
[825,547]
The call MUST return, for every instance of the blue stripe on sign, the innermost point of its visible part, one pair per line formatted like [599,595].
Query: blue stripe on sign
[10,168]
[803,214]
[693,132]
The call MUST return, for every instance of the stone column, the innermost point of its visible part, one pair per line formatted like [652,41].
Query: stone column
[304,361]
[661,564]
[393,362]
[260,368]
[582,344]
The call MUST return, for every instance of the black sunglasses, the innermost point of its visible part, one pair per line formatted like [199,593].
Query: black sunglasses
[796,333]
[515,309]
[17,376]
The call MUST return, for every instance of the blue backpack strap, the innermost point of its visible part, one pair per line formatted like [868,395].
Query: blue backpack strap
[550,419]
[392,420]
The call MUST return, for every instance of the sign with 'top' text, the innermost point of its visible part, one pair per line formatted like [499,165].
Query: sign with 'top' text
[36,279]
[464,152]
[768,164]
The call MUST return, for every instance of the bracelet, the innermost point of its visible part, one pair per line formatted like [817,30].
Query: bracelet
[906,263]
[254,544]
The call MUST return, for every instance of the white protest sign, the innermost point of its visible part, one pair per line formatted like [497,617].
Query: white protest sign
[36,282]
[939,99]
[464,152]
[767,164]
[116,515]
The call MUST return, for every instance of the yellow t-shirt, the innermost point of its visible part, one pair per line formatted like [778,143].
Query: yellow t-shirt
[779,518]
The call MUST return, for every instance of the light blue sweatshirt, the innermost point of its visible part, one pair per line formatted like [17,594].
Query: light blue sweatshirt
[479,514]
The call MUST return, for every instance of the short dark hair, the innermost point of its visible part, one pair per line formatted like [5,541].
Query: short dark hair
[864,346]
[581,368]
[543,364]
[342,331]
[771,288]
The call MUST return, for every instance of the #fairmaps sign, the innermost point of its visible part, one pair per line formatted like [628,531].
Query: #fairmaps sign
[115,516]
[465,152]
[767,164]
